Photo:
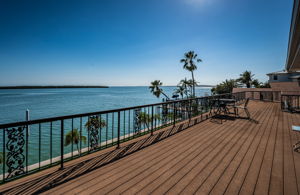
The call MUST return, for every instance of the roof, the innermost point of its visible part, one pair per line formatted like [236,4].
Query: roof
[282,72]
[293,55]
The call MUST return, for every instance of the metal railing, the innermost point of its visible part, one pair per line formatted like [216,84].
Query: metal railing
[30,146]
[290,103]
[273,96]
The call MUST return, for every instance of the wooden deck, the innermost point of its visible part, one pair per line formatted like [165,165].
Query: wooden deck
[233,157]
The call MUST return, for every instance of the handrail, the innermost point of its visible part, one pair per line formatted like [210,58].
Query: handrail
[22,141]
[43,120]
[29,146]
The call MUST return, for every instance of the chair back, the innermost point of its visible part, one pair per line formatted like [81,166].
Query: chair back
[246,102]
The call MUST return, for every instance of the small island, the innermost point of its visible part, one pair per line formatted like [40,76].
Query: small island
[51,87]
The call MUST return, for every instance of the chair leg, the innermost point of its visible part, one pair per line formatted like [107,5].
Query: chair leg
[296,147]
[247,112]
[236,112]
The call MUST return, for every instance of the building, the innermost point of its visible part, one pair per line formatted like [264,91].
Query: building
[284,81]
[289,79]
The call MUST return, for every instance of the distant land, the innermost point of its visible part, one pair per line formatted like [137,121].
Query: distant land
[50,87]
[205,85]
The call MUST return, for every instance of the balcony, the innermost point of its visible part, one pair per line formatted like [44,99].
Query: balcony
[196,156]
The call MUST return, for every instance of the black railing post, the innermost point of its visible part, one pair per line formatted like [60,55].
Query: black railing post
[61,144]
[26,147]
[281,102]
[174,114]
[152,118]
[119,130]
[3,156]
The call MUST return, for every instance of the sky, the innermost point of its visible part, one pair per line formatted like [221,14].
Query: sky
[133,42]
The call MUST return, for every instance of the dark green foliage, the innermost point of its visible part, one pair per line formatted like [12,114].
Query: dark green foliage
[74,137]
[156,89]
[246,78]
[146,119]
[96,122]
[225,87]
[189,63]
[1,157]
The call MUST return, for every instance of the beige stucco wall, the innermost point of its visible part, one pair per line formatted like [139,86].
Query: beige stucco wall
[278,88]
[253,93]
[285,86]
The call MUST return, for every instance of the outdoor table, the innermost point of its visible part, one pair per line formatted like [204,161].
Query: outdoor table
[222,105]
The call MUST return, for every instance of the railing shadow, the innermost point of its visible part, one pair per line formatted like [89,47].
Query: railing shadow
[46,182]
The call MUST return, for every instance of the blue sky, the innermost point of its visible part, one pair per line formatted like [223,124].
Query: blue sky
[132,42]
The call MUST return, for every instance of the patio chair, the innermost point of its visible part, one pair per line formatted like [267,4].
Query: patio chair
[213,105]
[296,146]
[244,107]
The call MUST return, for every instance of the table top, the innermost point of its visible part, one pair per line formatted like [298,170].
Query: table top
[227,100]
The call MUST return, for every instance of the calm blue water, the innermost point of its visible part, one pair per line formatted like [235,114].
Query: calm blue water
[44,103]
[44,140]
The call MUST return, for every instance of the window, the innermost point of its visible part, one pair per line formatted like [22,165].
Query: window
[275,77]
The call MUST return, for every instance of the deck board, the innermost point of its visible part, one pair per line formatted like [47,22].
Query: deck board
[233,157]
[239,176]
[225,177]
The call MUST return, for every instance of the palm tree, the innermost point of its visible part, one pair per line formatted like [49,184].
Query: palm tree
[95,122]
[1,157]
[190,65]
[229,85]
[180,90]
[256,83]
[156,88]
[225,87]
[246,78]
[192,83]
[185,84]
[146,119]
[74,137]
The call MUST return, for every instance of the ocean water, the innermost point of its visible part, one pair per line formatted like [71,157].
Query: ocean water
[44,139]
[44,103]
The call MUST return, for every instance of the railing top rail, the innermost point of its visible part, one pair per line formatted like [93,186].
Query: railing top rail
[52,119]
[290,94]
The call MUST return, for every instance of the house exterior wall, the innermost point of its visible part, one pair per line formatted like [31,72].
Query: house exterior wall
[285,86]
[256,93]
[282,77]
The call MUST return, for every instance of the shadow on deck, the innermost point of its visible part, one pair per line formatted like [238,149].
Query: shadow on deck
[219,156]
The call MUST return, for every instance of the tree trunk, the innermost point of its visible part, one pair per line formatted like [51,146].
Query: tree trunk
[165,95]
[248,85]
[193,91]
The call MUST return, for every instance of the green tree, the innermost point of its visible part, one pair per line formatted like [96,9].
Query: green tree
[189,63]
[246,78]
[255,83]
[146,119]
[180,90]
[74,137]
[184,83]
[225,87]
[1,157]
[95,122]
[265,85]
[192,83]
[156,89]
